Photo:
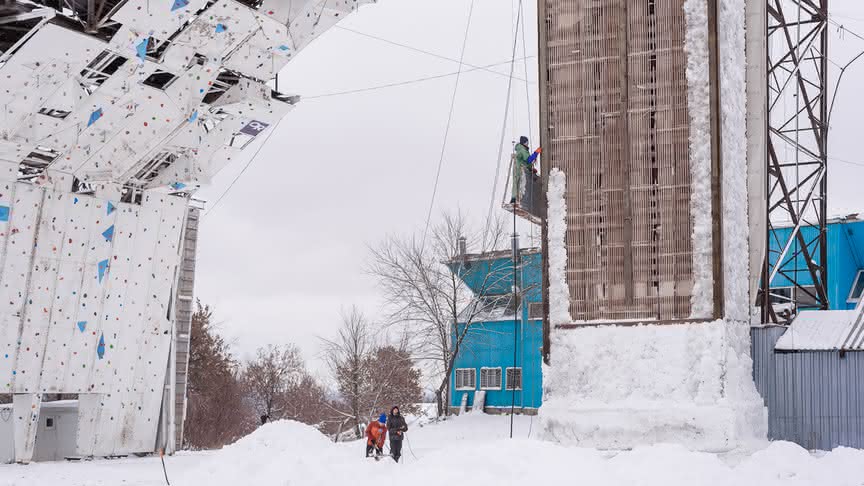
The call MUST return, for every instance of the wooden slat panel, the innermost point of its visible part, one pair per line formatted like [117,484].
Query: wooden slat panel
[618,119]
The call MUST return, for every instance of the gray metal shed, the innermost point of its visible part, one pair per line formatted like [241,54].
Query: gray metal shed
[811,376]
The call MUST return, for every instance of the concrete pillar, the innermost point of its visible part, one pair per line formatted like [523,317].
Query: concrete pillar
[25,408]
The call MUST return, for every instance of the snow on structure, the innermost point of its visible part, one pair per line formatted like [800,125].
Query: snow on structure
[559,293]
[616,387]
[619,384]
[825,331]
[112,122]
[733,112]
[699,108]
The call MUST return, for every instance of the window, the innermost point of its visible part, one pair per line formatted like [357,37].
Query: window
[535,310]
[466,378]
[514,378]
[54,113]
[490,378]
[857,287]
[805,297]
[160,79]
[49,423]
[99,70]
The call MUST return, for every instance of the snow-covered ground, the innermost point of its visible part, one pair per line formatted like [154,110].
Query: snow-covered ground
[472,449]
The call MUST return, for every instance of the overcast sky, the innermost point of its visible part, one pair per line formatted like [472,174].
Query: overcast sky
[283,253]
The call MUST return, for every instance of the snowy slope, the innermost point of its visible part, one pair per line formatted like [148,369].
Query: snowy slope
[472,449]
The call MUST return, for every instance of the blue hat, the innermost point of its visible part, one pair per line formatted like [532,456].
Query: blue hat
[382,418]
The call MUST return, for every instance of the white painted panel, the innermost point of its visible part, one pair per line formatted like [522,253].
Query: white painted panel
[65,335]
[51,57]
[84,347]
[89,405]
[237,22]
[154,346]
[63,330]
[35,322]
[160,18]
[41,293]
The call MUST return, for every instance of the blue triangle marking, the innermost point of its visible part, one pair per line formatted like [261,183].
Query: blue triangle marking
[141,49]
[102,267]
[94,116]
[82,325]
[109,233]
[111,207]
[100,349]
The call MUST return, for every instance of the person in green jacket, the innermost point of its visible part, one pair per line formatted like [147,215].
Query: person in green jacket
[522,164]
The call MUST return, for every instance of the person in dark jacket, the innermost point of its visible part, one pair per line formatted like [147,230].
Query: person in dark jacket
[397,428]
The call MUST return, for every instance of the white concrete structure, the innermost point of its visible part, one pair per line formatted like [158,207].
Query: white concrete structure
[113,114]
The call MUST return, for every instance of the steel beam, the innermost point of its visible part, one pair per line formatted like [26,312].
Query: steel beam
[797,152]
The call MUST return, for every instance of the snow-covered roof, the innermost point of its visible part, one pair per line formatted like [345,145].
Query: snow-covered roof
[824,331]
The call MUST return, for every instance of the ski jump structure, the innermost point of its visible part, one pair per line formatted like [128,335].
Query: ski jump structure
[114,112]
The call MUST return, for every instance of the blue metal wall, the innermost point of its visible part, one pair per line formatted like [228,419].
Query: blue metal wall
[490,345]
[845,258]
[814,398]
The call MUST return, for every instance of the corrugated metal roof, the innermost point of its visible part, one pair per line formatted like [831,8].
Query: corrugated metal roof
[825,330]
[855,339]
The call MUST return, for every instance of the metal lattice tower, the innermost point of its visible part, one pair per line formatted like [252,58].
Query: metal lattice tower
[797,81]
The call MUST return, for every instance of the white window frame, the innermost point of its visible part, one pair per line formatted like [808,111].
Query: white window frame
[487,369]
[858,277]
[473,374]
[521,375]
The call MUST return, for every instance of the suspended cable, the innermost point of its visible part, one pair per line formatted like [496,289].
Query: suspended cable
[525,68]
[422,51]
[243,171]
[503,127]
[447,128]
[400,83]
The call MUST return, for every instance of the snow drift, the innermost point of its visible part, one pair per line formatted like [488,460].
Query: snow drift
[473,449]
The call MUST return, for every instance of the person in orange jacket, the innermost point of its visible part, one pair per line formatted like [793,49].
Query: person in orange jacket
[376,433]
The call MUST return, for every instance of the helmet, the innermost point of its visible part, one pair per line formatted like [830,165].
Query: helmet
[382,418]
[523,140]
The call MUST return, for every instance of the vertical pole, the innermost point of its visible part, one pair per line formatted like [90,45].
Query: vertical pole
[543,78]
[516,259]
[716,159]
[823,184]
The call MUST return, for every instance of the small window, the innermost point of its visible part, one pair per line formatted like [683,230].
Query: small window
[857,288]
[160,79]
[535,310]
[99,70]
[49,423]
[514,378]
[466,378]
[53,113]
[490,378]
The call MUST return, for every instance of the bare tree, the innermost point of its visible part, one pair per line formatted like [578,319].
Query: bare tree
[217,413]
[309,402]
[269,377]
[394,380]
[347,358]
[425,285]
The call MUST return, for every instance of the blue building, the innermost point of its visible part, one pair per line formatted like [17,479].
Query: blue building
[499,354]
[485,361]
[845,248]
